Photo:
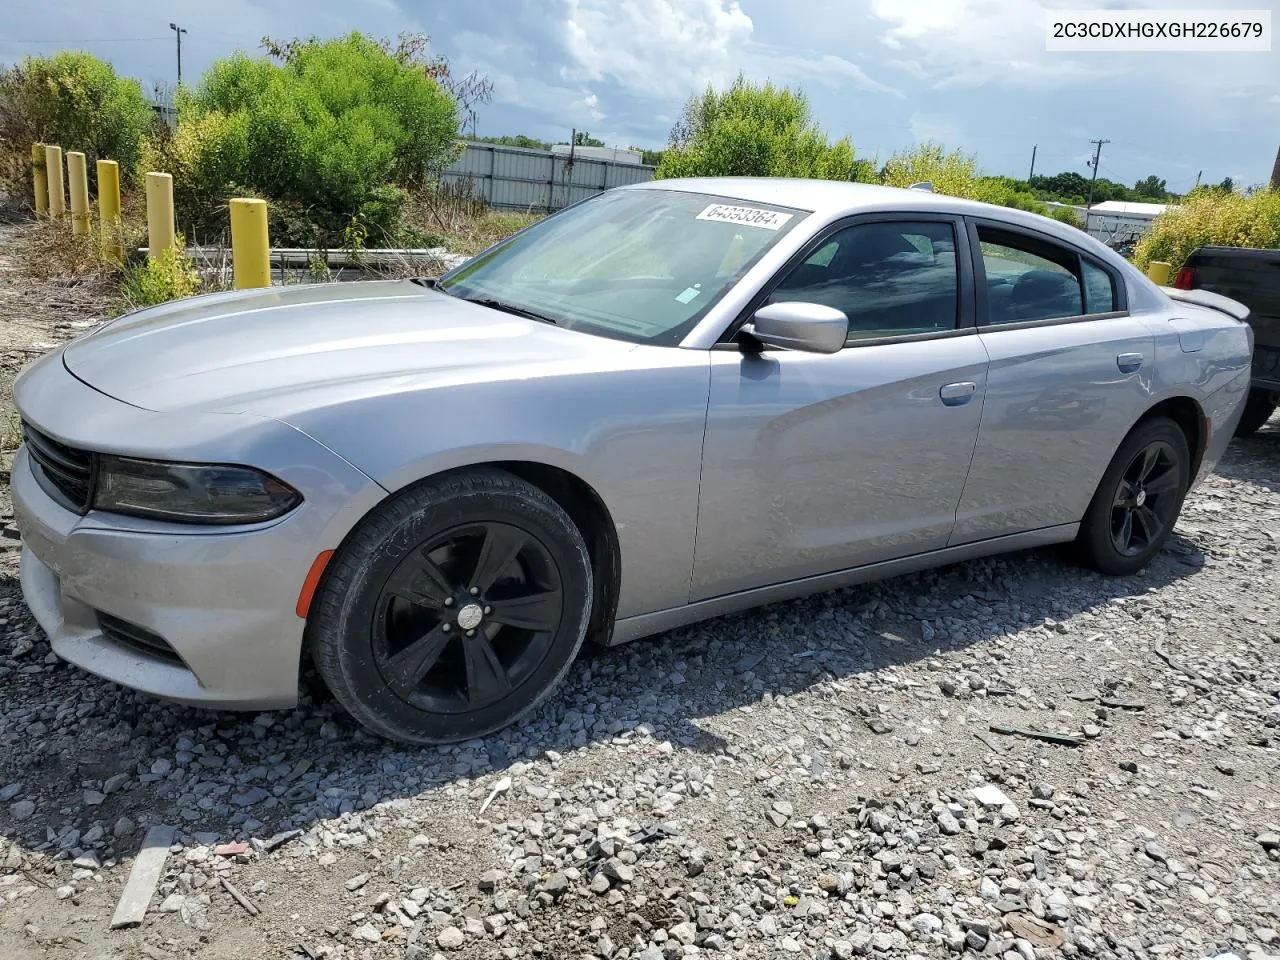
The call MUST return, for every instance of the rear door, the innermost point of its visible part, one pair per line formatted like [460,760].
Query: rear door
[1070,374]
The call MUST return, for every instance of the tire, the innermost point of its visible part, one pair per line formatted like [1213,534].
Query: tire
[453,609]
[1141,490]
[1258,408]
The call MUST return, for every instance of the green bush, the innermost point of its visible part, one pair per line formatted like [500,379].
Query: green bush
[331,133]
[1067,215]
[170,276]
[951,172]
[76,101]
[753,131]
[1210,216]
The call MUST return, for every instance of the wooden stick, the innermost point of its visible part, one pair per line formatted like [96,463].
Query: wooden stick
[239,897]
[144,876]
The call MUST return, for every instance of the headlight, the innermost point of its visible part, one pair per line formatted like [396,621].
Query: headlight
[190,493]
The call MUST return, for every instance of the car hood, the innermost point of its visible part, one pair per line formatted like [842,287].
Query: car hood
[234,352]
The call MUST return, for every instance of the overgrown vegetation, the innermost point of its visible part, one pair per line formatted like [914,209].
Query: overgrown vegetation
[71,98]
[753,130]
[1212,216]
[169,276]
[334,134]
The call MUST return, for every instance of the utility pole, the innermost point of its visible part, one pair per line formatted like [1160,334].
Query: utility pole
[1033,163]
[1097,153]
[179,31]
[1200,173]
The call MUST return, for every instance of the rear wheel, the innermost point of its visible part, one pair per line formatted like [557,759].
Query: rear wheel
[1258,408]
[454,609]
[1137,503]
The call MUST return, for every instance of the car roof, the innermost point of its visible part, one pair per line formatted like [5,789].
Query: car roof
[832,199]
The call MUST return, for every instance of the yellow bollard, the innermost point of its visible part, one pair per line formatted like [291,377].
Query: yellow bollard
[78,181]
[109,210]
[57,186]
[159,213]
[1158,272]
[250,245]
[38,180]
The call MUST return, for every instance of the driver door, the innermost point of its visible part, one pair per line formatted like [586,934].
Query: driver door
[815,463]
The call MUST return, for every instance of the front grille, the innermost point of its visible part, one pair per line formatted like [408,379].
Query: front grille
[63,472]
[136,638]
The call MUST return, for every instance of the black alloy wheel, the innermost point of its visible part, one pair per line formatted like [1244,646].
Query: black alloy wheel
[1146,499]
[1137,502]
[453,609]
[467,617]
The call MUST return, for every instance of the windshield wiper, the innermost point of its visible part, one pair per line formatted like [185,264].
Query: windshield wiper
[511,308]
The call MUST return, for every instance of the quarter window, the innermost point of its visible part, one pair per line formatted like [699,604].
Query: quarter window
[1029,280]
[889,278]
[1099,289]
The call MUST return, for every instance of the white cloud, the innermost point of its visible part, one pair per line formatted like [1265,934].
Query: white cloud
[929,126]
[666,48]
[827,69]
[969,43]
[973,42]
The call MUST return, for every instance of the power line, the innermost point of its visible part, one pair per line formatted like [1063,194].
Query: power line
[89,40]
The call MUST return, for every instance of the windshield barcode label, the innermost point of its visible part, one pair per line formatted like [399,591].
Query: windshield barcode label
[747,216]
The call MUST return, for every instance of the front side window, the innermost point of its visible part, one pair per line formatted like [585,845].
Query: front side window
[1028,279]
[639,265]
[889,278]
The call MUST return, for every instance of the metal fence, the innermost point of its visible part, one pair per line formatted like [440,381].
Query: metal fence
[513,178]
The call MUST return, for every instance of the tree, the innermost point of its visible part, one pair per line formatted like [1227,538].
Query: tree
[329,134]
[519,140]
[77,101]
[1227,185]
[752,130]
[647,156]
[1152,187]
[1065,187]
[584,139]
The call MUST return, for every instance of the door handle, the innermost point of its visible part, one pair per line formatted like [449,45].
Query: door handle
[1129,362]
[956,394]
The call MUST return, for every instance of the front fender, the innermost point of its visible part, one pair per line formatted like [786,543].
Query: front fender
[634,435]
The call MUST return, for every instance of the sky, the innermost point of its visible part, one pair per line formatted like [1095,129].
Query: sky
[973,74]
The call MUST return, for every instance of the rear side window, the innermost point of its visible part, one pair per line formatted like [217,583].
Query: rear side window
[1099,289]
[889,278]
[1029,280]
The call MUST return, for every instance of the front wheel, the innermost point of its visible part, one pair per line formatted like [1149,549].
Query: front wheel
[1137,503]
[453,609]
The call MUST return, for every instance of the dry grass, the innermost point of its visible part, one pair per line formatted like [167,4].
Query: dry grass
[54,253]
[463,223]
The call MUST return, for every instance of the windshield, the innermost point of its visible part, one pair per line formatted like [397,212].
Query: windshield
[640,265]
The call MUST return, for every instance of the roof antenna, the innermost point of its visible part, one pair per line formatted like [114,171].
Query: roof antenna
[925,185]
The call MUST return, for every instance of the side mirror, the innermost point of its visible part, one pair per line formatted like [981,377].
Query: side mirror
[810,327]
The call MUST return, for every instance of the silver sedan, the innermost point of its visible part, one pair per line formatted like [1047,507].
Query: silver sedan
[665,403]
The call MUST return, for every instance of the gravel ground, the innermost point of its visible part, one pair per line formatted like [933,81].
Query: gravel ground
[816,779]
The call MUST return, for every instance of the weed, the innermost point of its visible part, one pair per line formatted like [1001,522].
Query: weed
[170,276]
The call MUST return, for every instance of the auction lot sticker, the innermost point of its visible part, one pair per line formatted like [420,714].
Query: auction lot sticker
[747,216]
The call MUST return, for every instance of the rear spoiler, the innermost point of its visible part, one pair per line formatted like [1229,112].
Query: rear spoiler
[1207,298]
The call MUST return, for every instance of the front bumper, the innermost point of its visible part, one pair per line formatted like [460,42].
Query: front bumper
[221,602]
[216,606]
